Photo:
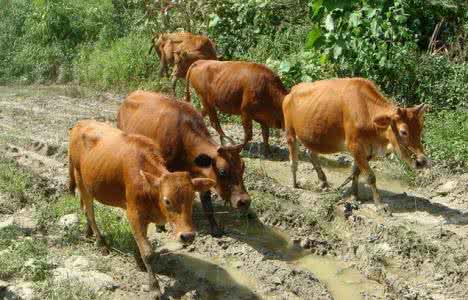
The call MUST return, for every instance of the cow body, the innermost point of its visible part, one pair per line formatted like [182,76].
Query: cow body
[181,50]
[247,89]
[350,114]
[186,145]
[126,171]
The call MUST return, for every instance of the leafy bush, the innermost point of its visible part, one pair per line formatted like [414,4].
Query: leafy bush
[124,63]
[300,67]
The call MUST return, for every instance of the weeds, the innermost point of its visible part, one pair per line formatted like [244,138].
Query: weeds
[15,184]
[25,258]
[68,289]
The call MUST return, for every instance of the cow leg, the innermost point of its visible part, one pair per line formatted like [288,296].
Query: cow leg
[91,219]
[266,136]
[139,229]
[354,185]
[89,230]
[363,165]
[247,124]
[292,145]
[318,168]
[215,122]
[209,213]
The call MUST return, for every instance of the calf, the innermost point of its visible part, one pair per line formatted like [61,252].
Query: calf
[126,171]
[350,114]
[247,89]
[186,145]
[180,50]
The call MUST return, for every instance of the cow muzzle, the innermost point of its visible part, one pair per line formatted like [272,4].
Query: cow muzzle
[186,237]
[421,162]
[241,202]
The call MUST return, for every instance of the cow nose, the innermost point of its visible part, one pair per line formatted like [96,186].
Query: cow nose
[243,203]
[187,237]
[421,162]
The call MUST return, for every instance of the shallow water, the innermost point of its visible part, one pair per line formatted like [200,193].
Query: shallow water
[342,280]
[281,171]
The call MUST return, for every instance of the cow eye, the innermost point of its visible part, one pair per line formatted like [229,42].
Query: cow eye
[222,173]
[403,132]
[167,202]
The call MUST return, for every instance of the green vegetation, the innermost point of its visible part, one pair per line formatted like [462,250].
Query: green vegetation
[68,289]
[414,50]
[14,184]
[112,223]
[23,257]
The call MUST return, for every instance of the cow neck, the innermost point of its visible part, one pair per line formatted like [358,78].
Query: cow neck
[278,97]
[150,162]
[198,143]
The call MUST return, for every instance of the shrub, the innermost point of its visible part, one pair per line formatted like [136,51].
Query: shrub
[122,64]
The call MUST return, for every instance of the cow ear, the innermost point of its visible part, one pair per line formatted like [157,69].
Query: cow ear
[202,184]
[382,121]
[203,161]
[150,179]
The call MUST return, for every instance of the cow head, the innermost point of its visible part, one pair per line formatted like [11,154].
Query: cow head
[403,130]
[227,169]
[175,193]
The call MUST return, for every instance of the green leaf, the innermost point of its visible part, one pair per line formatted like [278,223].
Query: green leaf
[316,5]
[312,37]
[215,19]
[329,24]
[355,19]
[284,66]
[337,50]
[401,19]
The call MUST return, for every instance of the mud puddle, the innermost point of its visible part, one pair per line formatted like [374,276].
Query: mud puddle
[281,172]
[342,280]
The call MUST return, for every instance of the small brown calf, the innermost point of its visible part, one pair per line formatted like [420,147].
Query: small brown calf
[126,171]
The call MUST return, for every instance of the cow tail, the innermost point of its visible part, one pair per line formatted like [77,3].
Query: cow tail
[71,175]
[187,84]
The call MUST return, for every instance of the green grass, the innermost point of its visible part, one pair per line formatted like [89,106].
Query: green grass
[25,257]
[446,136]
[72,290]
[14,183]
[112,224]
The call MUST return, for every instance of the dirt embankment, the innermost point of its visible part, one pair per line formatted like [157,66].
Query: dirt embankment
[294,244]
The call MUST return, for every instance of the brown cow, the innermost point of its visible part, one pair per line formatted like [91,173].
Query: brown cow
[181,49]
[186,145]
[350,114]
[247,89]
[126,171]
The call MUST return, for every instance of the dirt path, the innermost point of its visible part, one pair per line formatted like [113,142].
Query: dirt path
[295,249]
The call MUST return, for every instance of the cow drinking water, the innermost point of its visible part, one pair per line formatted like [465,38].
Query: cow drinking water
[186,145]
[350,114]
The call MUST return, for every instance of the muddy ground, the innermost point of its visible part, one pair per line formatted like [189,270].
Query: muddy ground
[293,244]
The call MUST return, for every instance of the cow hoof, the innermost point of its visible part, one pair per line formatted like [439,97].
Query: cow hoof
[140,263]
[216,231]
[105,251]
[384,210]
[161,228]
[156,295]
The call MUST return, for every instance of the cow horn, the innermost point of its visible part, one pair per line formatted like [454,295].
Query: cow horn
[421,107]
[232,148]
